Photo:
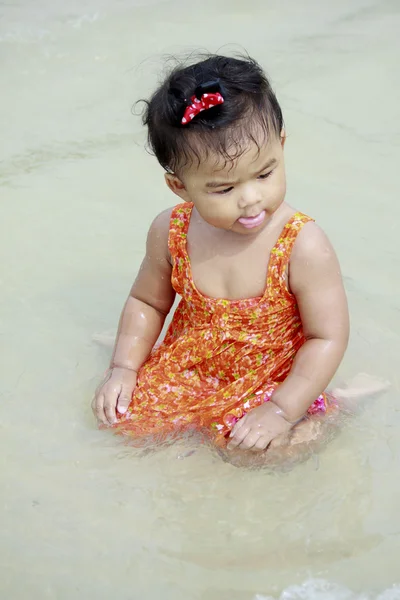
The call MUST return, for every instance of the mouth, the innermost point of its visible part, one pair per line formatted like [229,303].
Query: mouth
[250,222]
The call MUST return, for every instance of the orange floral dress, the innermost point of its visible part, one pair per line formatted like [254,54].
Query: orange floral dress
[220,358]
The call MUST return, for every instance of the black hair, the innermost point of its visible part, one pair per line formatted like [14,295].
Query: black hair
[250,106]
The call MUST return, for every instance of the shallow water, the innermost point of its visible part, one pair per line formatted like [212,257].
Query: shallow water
[83,515]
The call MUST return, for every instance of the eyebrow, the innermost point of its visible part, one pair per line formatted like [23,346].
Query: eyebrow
[216,184]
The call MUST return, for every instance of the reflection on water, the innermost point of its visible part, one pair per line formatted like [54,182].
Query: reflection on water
[85,515]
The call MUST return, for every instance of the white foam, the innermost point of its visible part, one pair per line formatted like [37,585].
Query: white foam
[320,589]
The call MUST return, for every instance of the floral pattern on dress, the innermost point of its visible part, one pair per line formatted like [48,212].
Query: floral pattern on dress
[219,358]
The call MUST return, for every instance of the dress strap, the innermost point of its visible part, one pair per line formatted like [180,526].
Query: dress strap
[177,240]
[280,254]
[284,246]
[178,228]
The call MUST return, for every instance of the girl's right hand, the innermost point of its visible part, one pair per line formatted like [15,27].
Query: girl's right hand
[114,394]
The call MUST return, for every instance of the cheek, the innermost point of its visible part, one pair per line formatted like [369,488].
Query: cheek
[281,183]
[278,188]
[224,207]
[214,204]
[217,211]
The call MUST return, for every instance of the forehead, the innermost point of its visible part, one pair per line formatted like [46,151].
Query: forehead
[251,157]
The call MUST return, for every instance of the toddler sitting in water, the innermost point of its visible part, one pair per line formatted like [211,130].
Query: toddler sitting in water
[262,324]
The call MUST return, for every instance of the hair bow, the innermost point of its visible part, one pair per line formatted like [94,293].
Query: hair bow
[197,106]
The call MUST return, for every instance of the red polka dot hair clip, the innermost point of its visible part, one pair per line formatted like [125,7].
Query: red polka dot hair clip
[204,102]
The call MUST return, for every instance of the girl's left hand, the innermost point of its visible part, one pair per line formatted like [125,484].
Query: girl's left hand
[256,430]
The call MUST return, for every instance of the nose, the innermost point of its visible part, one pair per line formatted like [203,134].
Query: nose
[249,196]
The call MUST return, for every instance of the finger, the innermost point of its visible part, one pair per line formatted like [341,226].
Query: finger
[124,400]
[99,409]
[250,440]
[279,441]
[102,383]
[238,437]
[237,426]
[260,445]
[110,402]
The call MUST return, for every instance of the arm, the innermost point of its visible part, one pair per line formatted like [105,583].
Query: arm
[141,322]
[315,280]
[149,301]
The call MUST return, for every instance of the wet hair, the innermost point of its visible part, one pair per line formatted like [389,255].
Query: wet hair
[250,112]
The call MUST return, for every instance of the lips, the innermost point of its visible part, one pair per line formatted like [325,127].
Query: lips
[250,222]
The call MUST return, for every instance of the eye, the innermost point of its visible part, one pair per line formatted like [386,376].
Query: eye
[265,175]
[226,191]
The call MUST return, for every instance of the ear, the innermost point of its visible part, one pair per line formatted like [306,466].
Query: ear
[283,138]
[176,186]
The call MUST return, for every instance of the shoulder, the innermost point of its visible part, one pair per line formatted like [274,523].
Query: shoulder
[159,228]
[313,259]
[157,237]
[312,243]
[161,222]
